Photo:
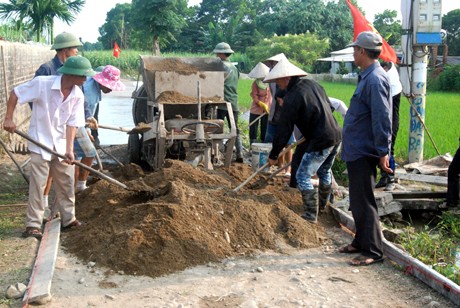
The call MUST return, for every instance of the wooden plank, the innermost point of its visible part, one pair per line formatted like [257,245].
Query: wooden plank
[39,287]
[419,195]
[430,179]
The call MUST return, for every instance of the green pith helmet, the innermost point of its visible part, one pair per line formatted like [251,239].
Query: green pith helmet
[99,68]
[223,48]
[65,40]
[78,66]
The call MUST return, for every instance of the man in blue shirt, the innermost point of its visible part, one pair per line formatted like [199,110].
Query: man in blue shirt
[366,144]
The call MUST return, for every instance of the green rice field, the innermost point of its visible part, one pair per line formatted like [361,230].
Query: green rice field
[441,118]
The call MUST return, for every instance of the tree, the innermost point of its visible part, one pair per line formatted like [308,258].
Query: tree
[161,18]
[337,25]
[302,49]
[451,23]
[388,26]
[40,14]
[117,27]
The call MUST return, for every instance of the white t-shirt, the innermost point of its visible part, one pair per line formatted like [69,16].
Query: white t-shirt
[50,113]
[395,83]
[339,106]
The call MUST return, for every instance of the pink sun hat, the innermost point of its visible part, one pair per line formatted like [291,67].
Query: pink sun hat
[110,78]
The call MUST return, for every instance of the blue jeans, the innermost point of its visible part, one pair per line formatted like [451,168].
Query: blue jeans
[319,163]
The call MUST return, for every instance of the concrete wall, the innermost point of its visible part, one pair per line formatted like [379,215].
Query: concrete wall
[18,65]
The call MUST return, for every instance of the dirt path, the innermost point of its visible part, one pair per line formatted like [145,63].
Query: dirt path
[172,251]
[317,277]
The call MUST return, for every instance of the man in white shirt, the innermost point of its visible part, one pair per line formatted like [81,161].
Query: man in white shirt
[387,180]
[57,112]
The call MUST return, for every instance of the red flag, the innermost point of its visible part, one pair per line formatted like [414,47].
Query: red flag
[116,50]
[361,24]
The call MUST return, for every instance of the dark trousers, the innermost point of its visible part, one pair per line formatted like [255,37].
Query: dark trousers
[222,114]
[253,129]
[361,177]
[395,121]
[453,184]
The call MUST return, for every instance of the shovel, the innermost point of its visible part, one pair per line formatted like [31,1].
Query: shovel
[257,119]
[83,166]
[14,160]
[138,129]
[286,149]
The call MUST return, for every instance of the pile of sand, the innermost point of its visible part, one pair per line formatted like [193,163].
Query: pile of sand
[189,217]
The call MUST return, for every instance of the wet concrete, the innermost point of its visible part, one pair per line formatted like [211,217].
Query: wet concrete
[115,109]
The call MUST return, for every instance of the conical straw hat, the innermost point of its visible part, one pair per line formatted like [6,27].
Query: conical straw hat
[277,58]
[259,71]
[284,68]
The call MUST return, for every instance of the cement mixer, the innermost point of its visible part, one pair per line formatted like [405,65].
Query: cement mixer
[178,99]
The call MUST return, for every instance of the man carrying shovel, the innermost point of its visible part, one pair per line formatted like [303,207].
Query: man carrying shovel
[106,81]
[306,106]
[57,112]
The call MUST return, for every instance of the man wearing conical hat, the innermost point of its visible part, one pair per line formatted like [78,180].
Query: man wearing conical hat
[306,106]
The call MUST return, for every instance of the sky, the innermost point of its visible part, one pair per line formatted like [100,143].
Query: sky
[94,13]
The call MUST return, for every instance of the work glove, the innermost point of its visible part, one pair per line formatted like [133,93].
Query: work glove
[91,123]
[264,107]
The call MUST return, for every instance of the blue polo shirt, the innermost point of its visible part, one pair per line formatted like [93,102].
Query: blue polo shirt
[367,124]
[92,91]
[49,68]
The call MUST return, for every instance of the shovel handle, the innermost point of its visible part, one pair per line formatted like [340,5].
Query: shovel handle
[257,119]
[284,151]
[122,129]
[79,164]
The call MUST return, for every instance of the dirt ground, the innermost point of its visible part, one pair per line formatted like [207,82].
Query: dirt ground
[181,237]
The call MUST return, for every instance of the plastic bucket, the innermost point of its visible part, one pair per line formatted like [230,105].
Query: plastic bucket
[259,154]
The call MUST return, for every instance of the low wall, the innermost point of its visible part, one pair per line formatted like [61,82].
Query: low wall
[18,65]
[333,78]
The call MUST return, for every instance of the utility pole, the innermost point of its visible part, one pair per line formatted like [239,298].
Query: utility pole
[421,27]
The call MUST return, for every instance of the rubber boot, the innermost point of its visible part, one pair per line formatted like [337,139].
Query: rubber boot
[324,193]
[310,205]
[239,149]
[384,180]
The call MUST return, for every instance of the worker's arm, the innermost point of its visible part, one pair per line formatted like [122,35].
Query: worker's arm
[70,132]
[8,123]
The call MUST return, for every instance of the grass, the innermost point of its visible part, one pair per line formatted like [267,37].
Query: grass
[10,220]
[442,110]
[436,247]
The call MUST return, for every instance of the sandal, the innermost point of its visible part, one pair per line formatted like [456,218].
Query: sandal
[349,249]
[364,261]
[73,224]
[32,232]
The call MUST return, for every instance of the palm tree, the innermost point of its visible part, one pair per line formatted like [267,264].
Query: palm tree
[40,14]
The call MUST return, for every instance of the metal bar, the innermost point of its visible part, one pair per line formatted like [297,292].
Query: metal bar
[14,160]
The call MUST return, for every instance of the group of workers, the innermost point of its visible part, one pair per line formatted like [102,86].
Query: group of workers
[287,105]
[64,96]
[65,93]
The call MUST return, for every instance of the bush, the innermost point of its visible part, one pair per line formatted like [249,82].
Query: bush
[447,80]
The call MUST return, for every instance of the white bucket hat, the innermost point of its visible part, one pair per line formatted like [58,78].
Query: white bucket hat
[277,58]
[259,71]
[110,78]
[284,68]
